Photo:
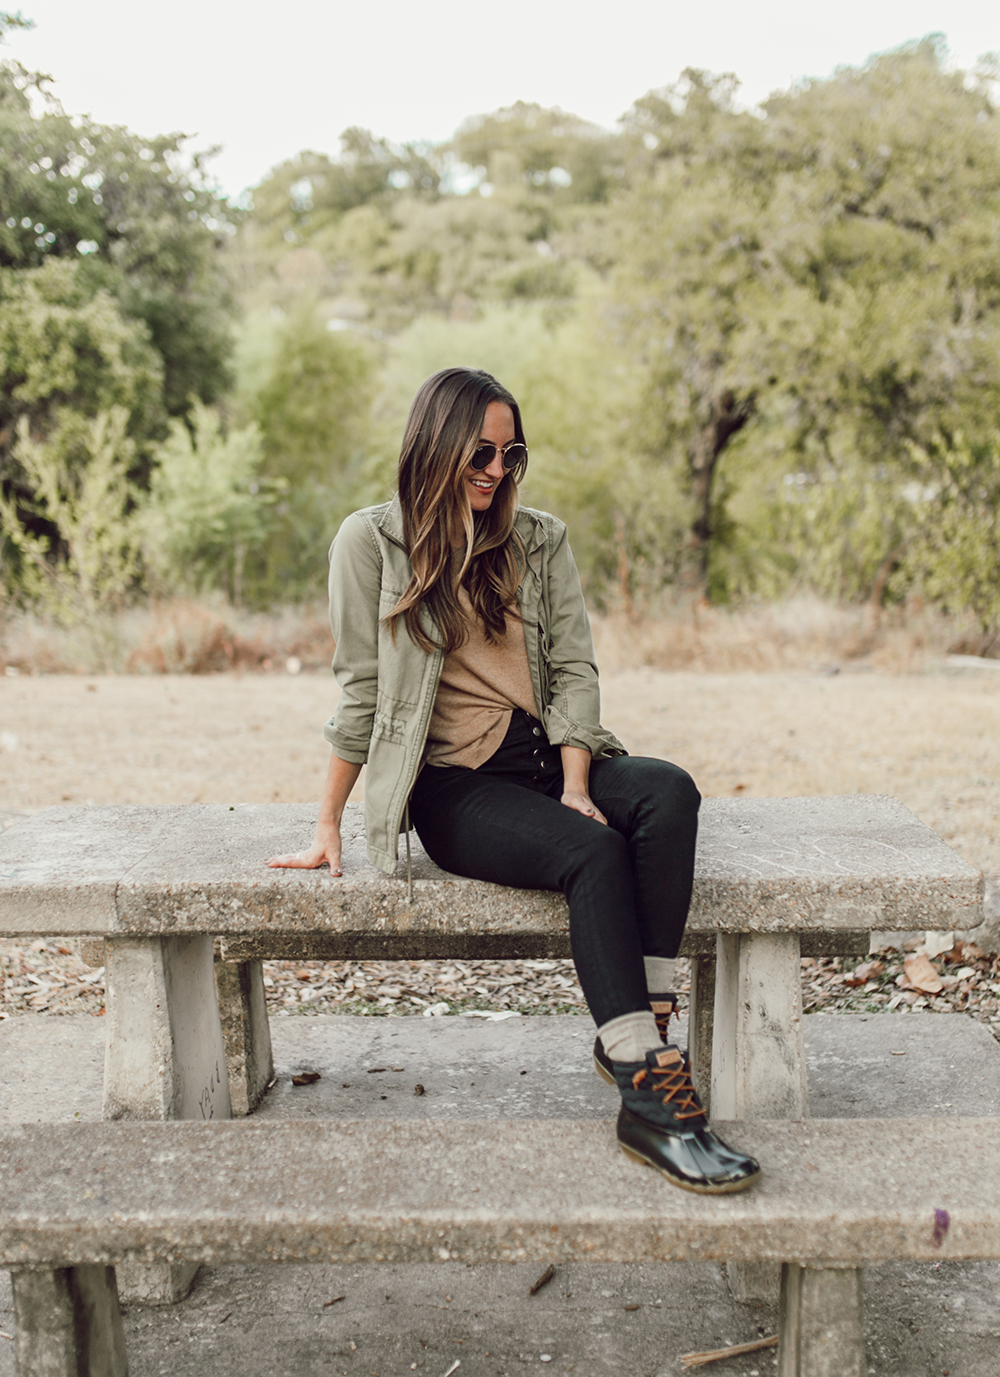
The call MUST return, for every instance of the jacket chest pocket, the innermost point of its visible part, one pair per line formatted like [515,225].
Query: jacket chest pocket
[387,726]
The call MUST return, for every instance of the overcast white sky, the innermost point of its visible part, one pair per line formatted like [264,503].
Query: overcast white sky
[265,80]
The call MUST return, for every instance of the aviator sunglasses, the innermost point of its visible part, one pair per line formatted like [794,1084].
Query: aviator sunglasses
[510,456]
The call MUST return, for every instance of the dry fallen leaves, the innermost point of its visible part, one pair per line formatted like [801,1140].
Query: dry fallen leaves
[306,1078]
[39,978]
[922,975]
[868,970]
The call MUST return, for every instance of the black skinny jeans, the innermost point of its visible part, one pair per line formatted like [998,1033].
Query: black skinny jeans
[628,885]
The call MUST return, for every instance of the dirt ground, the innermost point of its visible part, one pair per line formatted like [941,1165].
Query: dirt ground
[932,740]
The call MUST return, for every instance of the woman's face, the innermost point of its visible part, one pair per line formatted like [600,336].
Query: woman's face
[498,429]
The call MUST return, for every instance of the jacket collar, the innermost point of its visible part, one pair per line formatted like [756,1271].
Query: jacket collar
[530,529]
[527,525]
[391,522]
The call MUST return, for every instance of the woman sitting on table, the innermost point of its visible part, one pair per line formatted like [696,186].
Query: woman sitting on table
[468,685]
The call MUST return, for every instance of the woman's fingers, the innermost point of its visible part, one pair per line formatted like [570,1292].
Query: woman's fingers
[325,850]
[582,803]
[306,860]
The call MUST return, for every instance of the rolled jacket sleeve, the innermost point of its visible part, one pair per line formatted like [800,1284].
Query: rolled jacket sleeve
[355,585]
[573,710]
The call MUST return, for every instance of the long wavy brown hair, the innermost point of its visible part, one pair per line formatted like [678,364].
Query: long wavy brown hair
[442,432]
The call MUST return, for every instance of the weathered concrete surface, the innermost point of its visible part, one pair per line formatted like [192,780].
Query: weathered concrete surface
[62,866]
[69,1323]
[986,934]
[758,1055]
[822,1323]
[763,865]
[758,1066]
[256,1321]
[165,1057]
[246,1032]
[880,1066]
[51,1069]
[860,1066]
[834,1192]
[272,1321]
[269,1321]
[470,946]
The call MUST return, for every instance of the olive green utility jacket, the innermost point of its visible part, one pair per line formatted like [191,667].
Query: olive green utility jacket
[388,687]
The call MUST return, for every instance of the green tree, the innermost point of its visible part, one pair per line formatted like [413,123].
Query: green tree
[449,256]
[302,199]
[502,213]
[701,286]
[546,152]
[141,216]
[954,553]
[308,391]
[66,345]
[208,506]
[87,507]
[67,357]
[112,296]
[826,274]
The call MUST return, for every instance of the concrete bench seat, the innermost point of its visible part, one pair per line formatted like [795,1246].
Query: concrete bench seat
[838,1195]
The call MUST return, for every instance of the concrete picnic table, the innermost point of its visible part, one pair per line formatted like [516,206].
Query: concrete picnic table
[774,878]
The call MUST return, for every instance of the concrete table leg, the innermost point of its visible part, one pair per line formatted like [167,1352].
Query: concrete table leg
[701,1018]
[758,1053]
[165,1059]
[68,1323]
[246,1031]
[822,1322]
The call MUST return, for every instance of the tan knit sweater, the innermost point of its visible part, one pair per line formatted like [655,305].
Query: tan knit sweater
[481,685]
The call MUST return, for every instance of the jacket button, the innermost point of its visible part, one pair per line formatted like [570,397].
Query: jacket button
[541,765]
[536,731]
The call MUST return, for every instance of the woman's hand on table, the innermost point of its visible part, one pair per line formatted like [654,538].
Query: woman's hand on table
[326,849]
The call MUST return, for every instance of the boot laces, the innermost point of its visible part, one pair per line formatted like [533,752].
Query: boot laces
[674,1084]
[663,1011]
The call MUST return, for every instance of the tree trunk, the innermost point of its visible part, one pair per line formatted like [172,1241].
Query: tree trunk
[877,593]
[727,415]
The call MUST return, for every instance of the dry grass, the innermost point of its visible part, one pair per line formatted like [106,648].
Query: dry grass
[175,637]
[189,637]
[802,633]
